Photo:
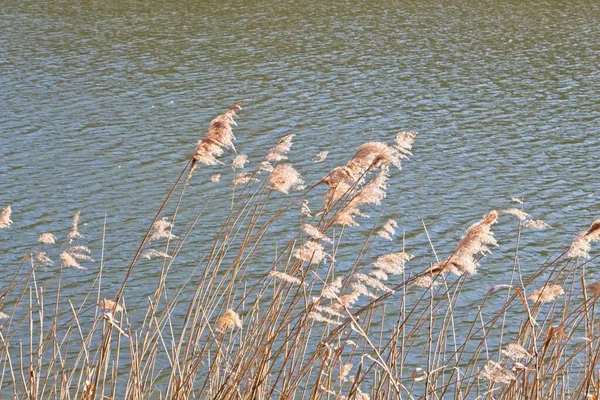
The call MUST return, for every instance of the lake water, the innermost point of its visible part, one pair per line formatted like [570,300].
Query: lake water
[103,102]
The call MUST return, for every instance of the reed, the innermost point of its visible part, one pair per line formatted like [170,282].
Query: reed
[320,322]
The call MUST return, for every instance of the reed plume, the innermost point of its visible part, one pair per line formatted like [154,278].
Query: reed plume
[218,137]
[74,232]
[47,238]
[594,288]
[515,352]
[162,229]
[285,277]
[40,259]
[546,294]
[372,193]
[109,305]
[5,220]
[284,178]
[369,156]
[495,372]
[151,253]
[520,214]
[320,157]
[280,151]
[388,230]
[305,210]
[311,251]
[239,162]
[473,243]
[582,244]
[536,224]
[393,263]
[243,178]
[69,260]
[426,281]
[315,233]
[228,320]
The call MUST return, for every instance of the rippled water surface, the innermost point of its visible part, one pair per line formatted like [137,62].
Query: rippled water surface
[103,103]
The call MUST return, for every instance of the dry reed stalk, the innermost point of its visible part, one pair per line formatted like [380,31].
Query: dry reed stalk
[5,220]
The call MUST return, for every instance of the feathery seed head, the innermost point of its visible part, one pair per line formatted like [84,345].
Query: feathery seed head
[536,224]
[547,293]
[594,288]
[320,157]
[47,238]
[239,161]
[285,277]
[520,214]
[280,151]
[388,229]
[218,137]
[162,228]
[474,242]
[495,372]
[311,251]
[109,305]
[515,352]
[315,233]
[393,263]
[582,244]
[5,220]
[284,177]
[229,320]
[74,232]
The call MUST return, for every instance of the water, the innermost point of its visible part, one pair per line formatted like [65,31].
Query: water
[104,102]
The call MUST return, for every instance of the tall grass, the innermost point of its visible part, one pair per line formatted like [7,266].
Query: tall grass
[318,321]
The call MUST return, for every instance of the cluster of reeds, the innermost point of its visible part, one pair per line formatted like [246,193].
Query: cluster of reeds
[319,322]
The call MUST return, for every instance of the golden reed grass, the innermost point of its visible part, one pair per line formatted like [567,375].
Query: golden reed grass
[313,312]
